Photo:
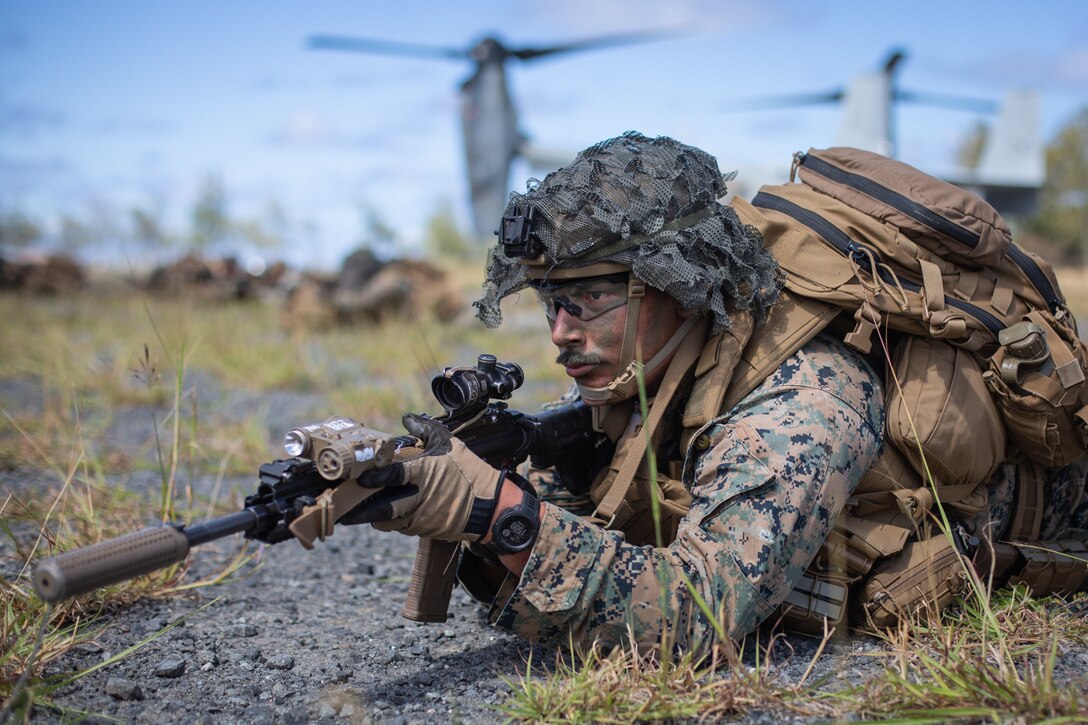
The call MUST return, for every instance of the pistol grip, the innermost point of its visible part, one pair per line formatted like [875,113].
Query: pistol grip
[432,581]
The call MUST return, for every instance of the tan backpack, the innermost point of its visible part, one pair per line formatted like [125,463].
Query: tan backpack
[922,256]
[987,357]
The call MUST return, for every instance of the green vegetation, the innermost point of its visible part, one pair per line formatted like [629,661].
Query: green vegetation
[17,229]
[1063,202]
[958,666]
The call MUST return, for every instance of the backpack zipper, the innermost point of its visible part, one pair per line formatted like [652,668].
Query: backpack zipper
[850,248]
[924,215]
[1037,278]
[919,212]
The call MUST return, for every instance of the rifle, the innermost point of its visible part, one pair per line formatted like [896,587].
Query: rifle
[333,454]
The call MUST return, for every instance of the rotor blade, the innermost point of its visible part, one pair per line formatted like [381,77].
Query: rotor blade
[960,103]
[383,47]
[604,41]
[785,101]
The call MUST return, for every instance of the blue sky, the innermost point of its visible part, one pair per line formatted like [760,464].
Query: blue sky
[104,105]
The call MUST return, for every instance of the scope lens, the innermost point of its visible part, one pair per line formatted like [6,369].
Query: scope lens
[460,391]
[296,442]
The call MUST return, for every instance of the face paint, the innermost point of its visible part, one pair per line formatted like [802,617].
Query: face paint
[589,349]
[584,299]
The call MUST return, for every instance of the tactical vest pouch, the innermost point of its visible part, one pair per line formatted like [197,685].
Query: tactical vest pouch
[1029,503]
[1047,567]
[999,555]
[855,543]
[1052,567]
[997,562]
[943,419]
[890,485]
[1038,379]
[816,602]
[927,573]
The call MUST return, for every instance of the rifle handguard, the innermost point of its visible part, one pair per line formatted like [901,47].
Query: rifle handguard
[108,562]
[431,586]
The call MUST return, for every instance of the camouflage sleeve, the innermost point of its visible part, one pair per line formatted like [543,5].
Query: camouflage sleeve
[550,489]
[766,491]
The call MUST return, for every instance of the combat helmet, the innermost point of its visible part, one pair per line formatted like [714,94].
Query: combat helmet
[643,206]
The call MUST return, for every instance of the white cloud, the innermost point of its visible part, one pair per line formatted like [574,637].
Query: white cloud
[307,128]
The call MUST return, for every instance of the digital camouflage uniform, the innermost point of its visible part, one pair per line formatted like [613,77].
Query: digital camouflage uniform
[1065,502]
[779,468]
[780,465]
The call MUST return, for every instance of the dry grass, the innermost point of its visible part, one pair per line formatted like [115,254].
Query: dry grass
[83,359]
[937,668]
[82,508]
[955,666]
[626,686]
[73,365]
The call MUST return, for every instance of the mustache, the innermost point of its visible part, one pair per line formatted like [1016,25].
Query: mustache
[571,358]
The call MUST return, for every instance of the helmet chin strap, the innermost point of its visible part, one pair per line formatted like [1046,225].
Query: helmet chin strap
[625,385]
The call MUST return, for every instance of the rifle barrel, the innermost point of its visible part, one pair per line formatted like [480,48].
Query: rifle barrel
[126,557]
[206,531]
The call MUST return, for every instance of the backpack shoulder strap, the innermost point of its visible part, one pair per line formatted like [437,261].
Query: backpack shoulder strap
[790,324]
[714,370]
[735,363]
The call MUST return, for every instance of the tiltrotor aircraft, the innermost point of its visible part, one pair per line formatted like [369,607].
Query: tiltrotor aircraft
[1011,168]
[489,120]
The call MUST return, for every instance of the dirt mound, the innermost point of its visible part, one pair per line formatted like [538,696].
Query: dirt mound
[367,290]
[213,279]
[401,288]
[53,275]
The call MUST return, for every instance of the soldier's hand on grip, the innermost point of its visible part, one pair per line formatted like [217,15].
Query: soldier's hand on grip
[445,492]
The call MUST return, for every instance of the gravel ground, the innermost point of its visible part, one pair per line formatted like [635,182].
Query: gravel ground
[309,636]
[317,636]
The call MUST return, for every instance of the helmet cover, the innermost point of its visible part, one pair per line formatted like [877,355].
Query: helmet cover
[650,205]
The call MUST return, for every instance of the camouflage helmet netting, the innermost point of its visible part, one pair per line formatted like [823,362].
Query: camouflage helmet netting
[650,204]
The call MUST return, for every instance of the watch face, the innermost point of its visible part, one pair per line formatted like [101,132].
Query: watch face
[516,532]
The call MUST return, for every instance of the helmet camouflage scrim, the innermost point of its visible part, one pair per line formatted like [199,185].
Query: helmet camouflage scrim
[650,205]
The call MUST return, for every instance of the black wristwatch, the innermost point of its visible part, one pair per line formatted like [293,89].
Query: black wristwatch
[516,528]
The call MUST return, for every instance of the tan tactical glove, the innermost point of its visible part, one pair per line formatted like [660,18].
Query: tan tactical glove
[443,492]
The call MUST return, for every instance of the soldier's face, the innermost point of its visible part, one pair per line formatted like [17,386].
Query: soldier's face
[590,349]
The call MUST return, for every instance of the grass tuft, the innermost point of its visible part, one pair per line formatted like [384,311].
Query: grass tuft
[949,673]
[625,685]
